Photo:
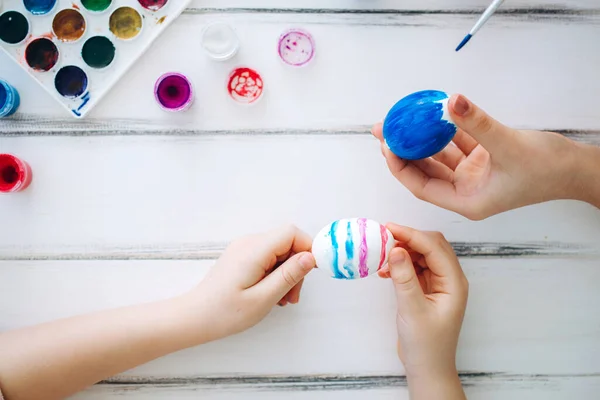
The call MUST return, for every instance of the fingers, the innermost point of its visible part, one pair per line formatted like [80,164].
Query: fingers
[438,253]
[293,296]
[286,239]
[464,142]
[409,294]
[434,169]
[491,134]
[451,156]
[285,278]
[377,131]
[437,189]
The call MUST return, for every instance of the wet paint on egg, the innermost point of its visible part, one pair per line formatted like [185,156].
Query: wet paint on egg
[419,126]
[352,248]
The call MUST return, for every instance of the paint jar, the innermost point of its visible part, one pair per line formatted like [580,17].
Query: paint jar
[296,47]
[15,174]
[245,85]
[173,92]
[9,99]
[220,42]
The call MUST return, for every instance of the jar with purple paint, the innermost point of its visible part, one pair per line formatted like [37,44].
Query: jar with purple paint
[173,92]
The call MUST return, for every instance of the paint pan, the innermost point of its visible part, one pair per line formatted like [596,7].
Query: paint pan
[296,47]
[9,99]
[79,50]
[41,54]
[68,25]
[96,6]
[220,42]
[39,7]
[71,81]
[14,27]
[153,5]
[98,52]
[125,23]
[174,92]
[245,85]
[15,174]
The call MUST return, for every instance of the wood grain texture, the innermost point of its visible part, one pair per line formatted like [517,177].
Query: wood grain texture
[477,386]
[409,5]
[359,72]
[518,310]
[134,205]
[212,251]
[33,126]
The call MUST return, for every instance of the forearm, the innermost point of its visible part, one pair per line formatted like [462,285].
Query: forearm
[587,175]
[426,386]
[57,359]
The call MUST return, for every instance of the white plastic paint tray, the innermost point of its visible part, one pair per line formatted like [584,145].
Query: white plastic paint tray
[99,80]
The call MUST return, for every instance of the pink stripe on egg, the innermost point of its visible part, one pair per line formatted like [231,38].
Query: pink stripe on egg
[363,269]
[384,239]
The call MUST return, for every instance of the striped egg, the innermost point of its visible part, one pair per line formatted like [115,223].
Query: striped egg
[352,248]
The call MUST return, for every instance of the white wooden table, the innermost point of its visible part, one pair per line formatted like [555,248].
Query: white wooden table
[134,204]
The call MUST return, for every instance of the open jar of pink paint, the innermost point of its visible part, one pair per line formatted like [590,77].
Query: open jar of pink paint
[296,47]
[173,92]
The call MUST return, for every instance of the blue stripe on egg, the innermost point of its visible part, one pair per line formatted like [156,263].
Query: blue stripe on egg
[334,245]
[414,128]
[349,251]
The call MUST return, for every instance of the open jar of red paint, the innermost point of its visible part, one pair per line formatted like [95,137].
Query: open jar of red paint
[15,174]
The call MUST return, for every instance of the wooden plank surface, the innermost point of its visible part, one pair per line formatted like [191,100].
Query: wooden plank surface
[365,63]
[218,171]
[124,203]
[518,309]
[409,5]
[120,193]
[477,387]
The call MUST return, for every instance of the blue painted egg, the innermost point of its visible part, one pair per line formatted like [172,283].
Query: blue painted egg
[419,125]
[352,248]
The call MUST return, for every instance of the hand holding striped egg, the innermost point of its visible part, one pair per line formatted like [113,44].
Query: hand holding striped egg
[352,248]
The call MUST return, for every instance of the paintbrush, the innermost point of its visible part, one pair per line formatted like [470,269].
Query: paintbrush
[486,15]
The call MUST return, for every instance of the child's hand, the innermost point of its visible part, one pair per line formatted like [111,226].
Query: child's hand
[431,291]
[253,274]
[491,168]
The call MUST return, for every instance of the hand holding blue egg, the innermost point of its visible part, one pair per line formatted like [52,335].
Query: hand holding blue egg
[352,248]
[419,126]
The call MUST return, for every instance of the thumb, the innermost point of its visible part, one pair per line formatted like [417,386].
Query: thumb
[491,134]
[408,289]
[279,282]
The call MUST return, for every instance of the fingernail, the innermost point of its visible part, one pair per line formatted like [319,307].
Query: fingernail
[397,257]
[307,260]
[461,105]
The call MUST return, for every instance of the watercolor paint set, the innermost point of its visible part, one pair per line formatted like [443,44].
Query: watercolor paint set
[79,49]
